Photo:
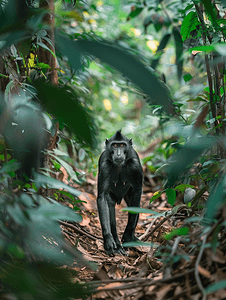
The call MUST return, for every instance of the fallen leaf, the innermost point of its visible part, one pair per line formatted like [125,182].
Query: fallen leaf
[204,272]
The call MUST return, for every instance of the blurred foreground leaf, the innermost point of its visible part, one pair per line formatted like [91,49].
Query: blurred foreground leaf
[63,103]
[185,156]
[216,286]
[139,210]
[216,199]
[23,129]
[120,59]
[41,180]
[139,243]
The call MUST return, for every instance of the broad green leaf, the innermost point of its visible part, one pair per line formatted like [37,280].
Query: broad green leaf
[10,166]
[185,156]
[187,77]
[67,48]
[221,49]
[119,58]
[16,251]
[216,199]
[171,196]
[10,38]
[41,180]
[189,24]
[17,214]
[55,212]
[26,138]
[137,210]
[135,12]
[182,187]
[210,10]
[63,103]
[174,232]
[203,48]
[140,243]
[160,49]
[179,52]
[26,200]
[216,286]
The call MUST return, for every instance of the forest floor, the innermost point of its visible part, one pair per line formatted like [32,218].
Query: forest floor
[179,268]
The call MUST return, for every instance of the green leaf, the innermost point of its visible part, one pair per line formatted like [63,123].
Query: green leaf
[171,196]
[63,103]
[175,232]
[139,243]
[187,77]
[135,12]
[41,180]
[210,10]
[189,24]
[179,52]
[155,196]
[66,194]
[67,167]
[41,44]
[17,214]
[160,49]
[183,187]
[216,199]
[26,200]
[27,137]
[10,166]
[137,210]
[120,59]
[185,156]
[203,48]
[216,286]
[55,212]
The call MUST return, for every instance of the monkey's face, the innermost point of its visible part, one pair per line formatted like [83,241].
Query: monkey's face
[118,152]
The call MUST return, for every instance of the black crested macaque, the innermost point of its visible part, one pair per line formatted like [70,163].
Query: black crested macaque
[120,175]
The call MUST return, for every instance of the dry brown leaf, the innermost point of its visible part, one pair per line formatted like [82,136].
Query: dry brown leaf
[204,272]
[109,294]
[65,175]
[221,294]
[85,220]
[178,290]
[90,199]
[217,256]
[160,295]
[115,272]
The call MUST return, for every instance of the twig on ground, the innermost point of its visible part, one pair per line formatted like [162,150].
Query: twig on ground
[148,229]
[81,231]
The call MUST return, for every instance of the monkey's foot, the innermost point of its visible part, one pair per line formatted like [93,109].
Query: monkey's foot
[128,238]
[109,245]
[120,250]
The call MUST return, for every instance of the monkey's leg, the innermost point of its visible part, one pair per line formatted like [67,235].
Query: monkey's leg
[119,249]
[104,215]
[132,199]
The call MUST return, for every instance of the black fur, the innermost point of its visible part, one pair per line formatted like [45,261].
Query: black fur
[120,176]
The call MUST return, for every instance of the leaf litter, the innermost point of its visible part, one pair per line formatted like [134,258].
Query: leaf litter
[181,267]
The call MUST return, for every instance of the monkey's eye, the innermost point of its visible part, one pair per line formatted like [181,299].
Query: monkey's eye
[122,145]
[115,145]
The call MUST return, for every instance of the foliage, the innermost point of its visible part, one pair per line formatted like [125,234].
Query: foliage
[107,71]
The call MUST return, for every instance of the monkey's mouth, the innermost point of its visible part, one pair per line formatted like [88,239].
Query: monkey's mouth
[118,161]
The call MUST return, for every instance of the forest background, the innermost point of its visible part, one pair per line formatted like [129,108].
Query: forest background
[71,74]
